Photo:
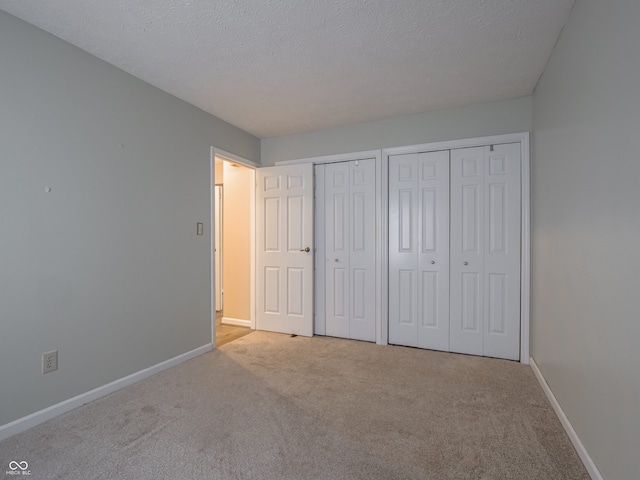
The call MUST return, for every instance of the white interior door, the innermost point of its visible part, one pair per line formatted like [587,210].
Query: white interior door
[485,251]
[350,243]
[284,261]
[419,250]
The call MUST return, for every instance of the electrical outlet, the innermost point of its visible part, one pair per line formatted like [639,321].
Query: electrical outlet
[49,361]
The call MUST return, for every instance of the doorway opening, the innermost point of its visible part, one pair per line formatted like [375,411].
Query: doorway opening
[233,232]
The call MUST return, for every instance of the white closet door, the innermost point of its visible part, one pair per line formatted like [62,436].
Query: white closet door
[337,249]
[403,250]
[319,284]
[362,258]
[502,240]
[467,259]
[485,251]
[419,250]
[350,249]
[433,255]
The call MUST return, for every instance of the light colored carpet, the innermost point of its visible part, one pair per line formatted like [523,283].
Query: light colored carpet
[270,406]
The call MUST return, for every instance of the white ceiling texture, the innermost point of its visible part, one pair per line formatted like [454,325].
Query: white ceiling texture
[277,67]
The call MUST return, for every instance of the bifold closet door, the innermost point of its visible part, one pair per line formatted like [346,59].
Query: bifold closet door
[419,250]
[485,251]
[350,246]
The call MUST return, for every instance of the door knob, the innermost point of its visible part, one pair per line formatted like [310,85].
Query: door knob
[465,263]
[306,249]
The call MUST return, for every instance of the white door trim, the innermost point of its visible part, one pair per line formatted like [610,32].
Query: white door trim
[319,314]
[525,260]
[218,152]
[381,284]
[217,241]
[340,157]
[232,157]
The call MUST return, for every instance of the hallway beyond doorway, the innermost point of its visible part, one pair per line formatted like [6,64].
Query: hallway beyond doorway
[228,333]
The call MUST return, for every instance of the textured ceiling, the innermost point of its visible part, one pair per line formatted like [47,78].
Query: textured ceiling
[280,67]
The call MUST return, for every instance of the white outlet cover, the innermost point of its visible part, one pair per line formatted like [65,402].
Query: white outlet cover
[49,361]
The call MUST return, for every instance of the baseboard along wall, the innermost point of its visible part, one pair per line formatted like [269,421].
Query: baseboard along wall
[573,436]
[48,413]
[236,321]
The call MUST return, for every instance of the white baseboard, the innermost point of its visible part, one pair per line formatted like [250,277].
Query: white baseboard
[236,321]
[573,436]
[48,413]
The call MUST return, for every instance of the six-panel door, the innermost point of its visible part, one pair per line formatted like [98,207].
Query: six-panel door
[284,260]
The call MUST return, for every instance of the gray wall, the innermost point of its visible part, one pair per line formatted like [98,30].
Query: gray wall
[509,116]
[586,230]
[107,267]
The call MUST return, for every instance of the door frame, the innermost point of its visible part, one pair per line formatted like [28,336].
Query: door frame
[525,250]
[381,314]
[217,239]
[231,157]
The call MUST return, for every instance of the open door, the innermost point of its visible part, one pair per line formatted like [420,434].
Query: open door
[284,260]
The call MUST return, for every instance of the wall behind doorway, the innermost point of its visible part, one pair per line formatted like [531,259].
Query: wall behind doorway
[236,242]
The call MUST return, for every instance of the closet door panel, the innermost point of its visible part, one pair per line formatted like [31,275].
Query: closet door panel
[403,250]
[433,251]
[467,253]
[337,220]
[350,261]
[362,255]
[502,252]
